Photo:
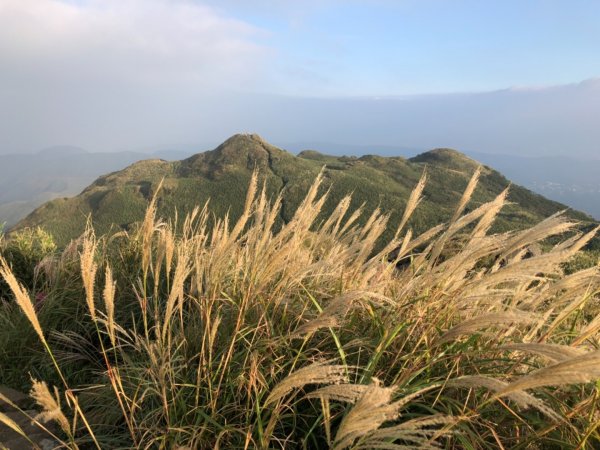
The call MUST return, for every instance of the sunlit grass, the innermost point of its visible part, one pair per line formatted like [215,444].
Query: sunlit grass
[315,336]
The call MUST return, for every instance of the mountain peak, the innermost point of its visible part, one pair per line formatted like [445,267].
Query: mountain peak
[240,151]
[244,138]
[447,157]
[244,146]
[120,198]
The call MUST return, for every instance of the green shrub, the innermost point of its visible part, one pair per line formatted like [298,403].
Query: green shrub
[23,251]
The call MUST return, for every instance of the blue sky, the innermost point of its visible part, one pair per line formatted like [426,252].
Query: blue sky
[487,76]
[426,46]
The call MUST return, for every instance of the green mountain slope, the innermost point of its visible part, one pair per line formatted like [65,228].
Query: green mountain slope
[30,180]
[118,200]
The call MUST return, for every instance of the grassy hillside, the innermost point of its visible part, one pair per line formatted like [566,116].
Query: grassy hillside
[118,200]
[29,180]
[303,336]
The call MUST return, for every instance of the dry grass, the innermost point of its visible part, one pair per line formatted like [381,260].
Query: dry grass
[208,334]
[50,404]
[21,297]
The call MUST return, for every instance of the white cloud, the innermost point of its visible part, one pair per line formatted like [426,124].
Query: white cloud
[124,41]
[124,74]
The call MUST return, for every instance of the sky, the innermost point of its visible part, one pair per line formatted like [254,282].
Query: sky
[517,77]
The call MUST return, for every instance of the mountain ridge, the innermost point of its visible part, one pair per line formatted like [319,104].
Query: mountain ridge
[119,199]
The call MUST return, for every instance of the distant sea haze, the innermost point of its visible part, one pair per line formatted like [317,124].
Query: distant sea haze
[28,180]
[560,120]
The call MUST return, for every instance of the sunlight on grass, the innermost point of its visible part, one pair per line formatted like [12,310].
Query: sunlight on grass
[314,336]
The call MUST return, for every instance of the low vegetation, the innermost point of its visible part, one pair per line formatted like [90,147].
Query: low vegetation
[118,200]
[238,335]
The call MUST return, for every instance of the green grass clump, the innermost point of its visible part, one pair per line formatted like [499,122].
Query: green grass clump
[309,333]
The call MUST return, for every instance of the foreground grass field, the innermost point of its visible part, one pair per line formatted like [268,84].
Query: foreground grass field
[235,336]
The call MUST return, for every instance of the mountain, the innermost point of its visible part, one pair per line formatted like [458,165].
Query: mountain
[334,148]
[29,180]
[119,199]
[566,179]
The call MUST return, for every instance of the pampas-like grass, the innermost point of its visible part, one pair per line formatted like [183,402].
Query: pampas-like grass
[552,352]
[109,303]
[21,297]
[348,393]
[253,333]
[371,410]
[50,404]
[11,424]
[422,433]
[486,321]
[337,309]
[414,199]
[316,373]
[579,369]
[467,194]
[521,398]
[88,271]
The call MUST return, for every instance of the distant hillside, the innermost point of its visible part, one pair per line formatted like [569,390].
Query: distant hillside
[29,180]
[119,199]
[566,179]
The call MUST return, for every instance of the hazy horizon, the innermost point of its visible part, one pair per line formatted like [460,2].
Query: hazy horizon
[129,75]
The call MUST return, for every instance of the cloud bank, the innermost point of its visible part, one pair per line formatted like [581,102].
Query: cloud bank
[132,74]
[137,41]
[87,67]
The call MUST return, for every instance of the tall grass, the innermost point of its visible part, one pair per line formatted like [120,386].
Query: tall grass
[317,335]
